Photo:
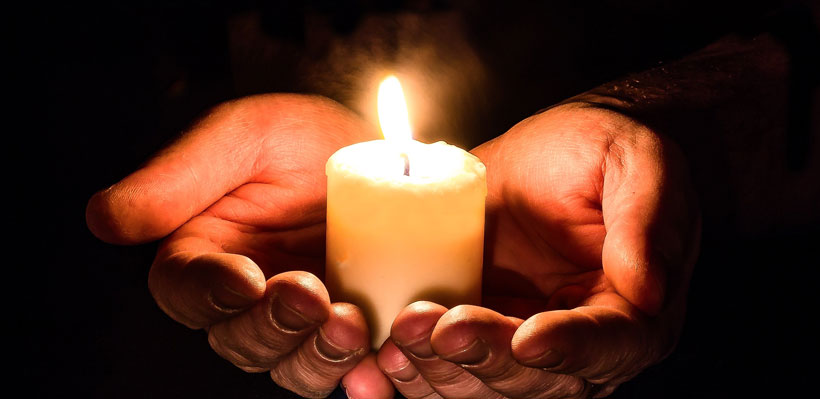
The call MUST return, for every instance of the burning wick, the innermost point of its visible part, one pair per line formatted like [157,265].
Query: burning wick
[406,164]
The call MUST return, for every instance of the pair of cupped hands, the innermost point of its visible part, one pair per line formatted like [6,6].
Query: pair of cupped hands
[592,232]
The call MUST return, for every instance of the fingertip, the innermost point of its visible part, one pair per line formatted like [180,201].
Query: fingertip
[346,328]
[199,290]
[545,339]
[366,381]
[100,219]
[237,282]
[416,321]
[120,215]
[303,280]
[389,357]
[395,364]
[457,328]
[466,334]
[299,300]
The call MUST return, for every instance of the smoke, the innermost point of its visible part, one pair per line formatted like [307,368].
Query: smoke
[443,78]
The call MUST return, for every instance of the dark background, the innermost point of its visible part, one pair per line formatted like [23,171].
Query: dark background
[109,85]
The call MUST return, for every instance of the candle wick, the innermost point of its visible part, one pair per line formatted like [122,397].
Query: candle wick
[406,164]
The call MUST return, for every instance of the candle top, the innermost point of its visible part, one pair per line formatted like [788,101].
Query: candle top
[436,166]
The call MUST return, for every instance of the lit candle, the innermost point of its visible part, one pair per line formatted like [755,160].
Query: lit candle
[405,221]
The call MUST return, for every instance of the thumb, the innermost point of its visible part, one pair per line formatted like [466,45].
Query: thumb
[236,143]
[211,159]
[650,214]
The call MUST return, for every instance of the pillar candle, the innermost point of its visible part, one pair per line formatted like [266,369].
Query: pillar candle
[405,222]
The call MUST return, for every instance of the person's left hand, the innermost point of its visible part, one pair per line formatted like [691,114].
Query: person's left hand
[592,232]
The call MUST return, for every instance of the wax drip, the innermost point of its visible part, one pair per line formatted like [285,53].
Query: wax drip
[406,164]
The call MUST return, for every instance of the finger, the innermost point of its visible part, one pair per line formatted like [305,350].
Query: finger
[649,216]
[478,339]
[404,375]
[366,381]
[604,341]
[315,368]
[411,333]
[201,289]
[295,304]
[229,147]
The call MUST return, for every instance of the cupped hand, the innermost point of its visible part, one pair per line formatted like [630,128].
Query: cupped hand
[241,199]
[592,233]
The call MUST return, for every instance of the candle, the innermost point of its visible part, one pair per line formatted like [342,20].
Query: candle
[405,221]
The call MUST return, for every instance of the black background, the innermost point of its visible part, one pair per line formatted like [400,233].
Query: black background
[109,85]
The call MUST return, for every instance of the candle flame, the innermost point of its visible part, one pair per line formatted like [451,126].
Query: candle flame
[393,111]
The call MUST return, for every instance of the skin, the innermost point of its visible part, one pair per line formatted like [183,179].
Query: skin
[591,238]
[592,231]
[240,200]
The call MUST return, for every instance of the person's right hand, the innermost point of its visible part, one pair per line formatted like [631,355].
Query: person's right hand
[242,195]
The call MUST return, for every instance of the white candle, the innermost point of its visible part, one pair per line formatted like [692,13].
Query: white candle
[405,221]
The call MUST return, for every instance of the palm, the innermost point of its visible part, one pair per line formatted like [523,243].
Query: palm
[276,216]
[278,220]
[545,224]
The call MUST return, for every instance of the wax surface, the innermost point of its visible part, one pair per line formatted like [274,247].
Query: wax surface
[394,239]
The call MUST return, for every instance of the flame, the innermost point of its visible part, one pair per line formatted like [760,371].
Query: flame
[393,111]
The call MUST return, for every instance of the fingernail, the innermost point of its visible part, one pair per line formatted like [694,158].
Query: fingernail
[474,353]
[403,373]
[551,358]
[231,298]
[330,350]
[421,349]
[289,318]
